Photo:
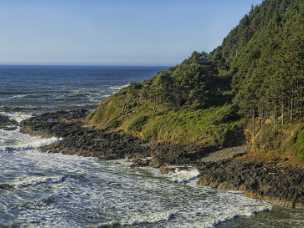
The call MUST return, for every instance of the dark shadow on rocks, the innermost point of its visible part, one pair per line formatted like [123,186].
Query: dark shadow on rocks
[77,139]
[176,154]
[280,185]
[86,141]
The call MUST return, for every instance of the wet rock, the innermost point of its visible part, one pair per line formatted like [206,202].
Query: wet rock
[140,162]
[165,169]
[6,187]
[264,180]
[80,140]
[7,124]
[177,154]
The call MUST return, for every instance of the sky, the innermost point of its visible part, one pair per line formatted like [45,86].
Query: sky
[113,32]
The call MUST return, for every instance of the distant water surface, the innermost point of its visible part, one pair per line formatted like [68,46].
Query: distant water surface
[49,88]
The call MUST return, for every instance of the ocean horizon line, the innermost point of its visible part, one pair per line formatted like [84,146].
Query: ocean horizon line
[84,65]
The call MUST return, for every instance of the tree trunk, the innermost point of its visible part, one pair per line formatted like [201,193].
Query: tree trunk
[282,111]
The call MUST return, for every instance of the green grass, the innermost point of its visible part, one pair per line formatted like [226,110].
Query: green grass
[285,141]
[189,126]
[163,123]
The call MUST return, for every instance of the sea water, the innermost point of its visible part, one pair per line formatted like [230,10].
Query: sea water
[53,190]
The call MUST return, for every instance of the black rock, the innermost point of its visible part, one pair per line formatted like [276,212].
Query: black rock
[265,180]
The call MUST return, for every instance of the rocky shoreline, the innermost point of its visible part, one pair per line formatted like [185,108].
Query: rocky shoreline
[221,169]
[267,181]
[79,140]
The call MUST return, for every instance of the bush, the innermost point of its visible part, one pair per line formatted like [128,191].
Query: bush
[138,123]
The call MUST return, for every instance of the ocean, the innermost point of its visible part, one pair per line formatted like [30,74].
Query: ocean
[53,190]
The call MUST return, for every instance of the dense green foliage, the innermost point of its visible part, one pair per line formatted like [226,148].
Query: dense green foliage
[185,104]
[193,83]
[265,55]
[257,72]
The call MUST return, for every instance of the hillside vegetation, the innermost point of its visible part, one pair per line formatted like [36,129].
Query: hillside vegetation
[185,104]
[251,85]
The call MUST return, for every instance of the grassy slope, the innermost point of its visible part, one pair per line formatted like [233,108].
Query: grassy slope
[275,142]
[209,126]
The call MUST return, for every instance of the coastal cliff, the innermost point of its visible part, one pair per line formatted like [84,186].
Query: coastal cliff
[247,92]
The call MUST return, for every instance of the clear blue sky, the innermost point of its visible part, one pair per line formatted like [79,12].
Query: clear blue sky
[119,32]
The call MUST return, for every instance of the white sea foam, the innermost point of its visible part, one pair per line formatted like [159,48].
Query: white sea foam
[124,196]
[184,175]
[17,116]
[18,141]
[26,181]
[85,186]
[115,89]
[18,96]
[95,98]
[147,217]
[218,207]
[233,205]
[119,87]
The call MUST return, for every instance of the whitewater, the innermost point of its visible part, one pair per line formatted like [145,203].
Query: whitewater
[48,190]
[54,190]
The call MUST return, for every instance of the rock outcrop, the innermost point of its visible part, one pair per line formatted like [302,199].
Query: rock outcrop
[280,185]
[7,124]
[80,140]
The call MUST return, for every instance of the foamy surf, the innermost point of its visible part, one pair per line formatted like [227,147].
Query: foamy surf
[115,89]
[86,187]
[228,205]
[178,174]
[23,182]
[89,187]
[15,140]
[17,116]
[184,176]
[147,217]
[18,96]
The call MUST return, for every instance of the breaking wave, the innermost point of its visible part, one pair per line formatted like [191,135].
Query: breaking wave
[15,140]
[77,192]
[17,116]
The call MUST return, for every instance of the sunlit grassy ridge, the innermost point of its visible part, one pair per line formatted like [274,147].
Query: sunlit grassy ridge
[202,126]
